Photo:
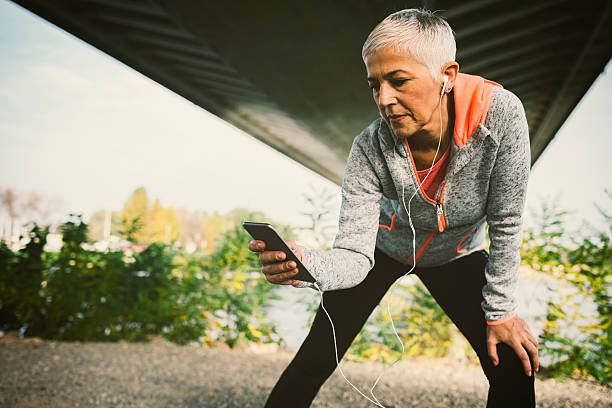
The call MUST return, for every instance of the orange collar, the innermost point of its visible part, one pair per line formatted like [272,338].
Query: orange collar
[472,96]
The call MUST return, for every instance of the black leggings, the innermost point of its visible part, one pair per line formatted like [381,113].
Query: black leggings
[456,286]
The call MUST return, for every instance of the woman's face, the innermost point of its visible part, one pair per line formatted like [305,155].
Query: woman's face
[404,91]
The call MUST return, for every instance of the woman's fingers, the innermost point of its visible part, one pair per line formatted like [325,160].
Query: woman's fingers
[256,246]
[291,243]
[522,354]
[533,352]
[275,270]
[492,351]
[280,267]
[532,346]
[532,340]
[524,348]
[280,272]
[531,337]
[297,250]
[285,278]
[516,334]
[271,257]
[266,257]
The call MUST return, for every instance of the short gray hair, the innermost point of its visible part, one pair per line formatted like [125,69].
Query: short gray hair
[424,35]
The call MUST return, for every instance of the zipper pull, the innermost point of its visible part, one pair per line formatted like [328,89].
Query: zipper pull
[440,216]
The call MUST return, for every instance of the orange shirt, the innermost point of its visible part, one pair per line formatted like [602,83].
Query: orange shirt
[438,171]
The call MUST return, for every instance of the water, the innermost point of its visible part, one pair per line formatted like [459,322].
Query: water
[290,313]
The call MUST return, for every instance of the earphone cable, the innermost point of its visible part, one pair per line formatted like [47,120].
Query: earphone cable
[336,351]
[378,403]
[413,241]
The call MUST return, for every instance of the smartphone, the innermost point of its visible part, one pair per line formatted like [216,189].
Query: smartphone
[266,233]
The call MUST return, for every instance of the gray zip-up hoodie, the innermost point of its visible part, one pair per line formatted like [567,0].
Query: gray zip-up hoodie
[485,183]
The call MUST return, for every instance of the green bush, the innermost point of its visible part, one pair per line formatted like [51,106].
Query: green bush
[83,295]
[21,275]
[577,341]
[236,293]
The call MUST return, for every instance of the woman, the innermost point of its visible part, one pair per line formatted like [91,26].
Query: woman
[448,156]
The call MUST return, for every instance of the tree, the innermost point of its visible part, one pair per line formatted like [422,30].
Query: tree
[213,226]
[162,225]
[26,207]
[97,222]
[134,216]
[8,200]
[190,224]
[319,230]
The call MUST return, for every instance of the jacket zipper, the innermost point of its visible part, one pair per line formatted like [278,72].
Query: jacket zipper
[438,204]
[440,211]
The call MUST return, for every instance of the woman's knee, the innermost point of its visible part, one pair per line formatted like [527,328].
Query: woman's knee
[509,373]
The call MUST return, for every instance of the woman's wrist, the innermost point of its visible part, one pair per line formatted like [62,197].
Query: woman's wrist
[502,320]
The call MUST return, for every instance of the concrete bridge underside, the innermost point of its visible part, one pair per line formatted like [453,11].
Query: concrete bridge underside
[291,75]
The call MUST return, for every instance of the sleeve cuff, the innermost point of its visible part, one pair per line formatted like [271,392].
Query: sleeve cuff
[303,284]
[502,320]
[299,283]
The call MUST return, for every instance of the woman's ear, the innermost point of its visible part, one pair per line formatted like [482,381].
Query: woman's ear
[450,70]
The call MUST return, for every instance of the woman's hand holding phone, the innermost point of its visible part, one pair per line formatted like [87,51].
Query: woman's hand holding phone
[272,262]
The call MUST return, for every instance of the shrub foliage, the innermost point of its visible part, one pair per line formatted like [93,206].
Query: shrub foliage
[577,333]
[84,295]
[80,294]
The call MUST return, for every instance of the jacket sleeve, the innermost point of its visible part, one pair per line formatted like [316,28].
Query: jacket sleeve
[352,253]
[505,205]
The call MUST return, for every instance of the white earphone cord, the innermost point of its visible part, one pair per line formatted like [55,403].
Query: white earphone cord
[378,403]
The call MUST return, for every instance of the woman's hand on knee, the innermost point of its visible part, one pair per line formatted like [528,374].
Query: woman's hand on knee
[273,264]
[515,333]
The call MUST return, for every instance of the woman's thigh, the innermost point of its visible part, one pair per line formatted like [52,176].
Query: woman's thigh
[349,309]
[457,288]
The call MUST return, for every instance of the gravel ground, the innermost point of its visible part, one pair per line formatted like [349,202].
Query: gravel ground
[35,373]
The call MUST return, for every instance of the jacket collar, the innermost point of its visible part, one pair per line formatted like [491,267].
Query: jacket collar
[472,97]
[459,157]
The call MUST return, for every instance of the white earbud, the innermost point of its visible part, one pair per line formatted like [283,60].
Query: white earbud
[444,86]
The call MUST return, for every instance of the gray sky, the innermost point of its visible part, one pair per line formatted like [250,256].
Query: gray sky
[78,126]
